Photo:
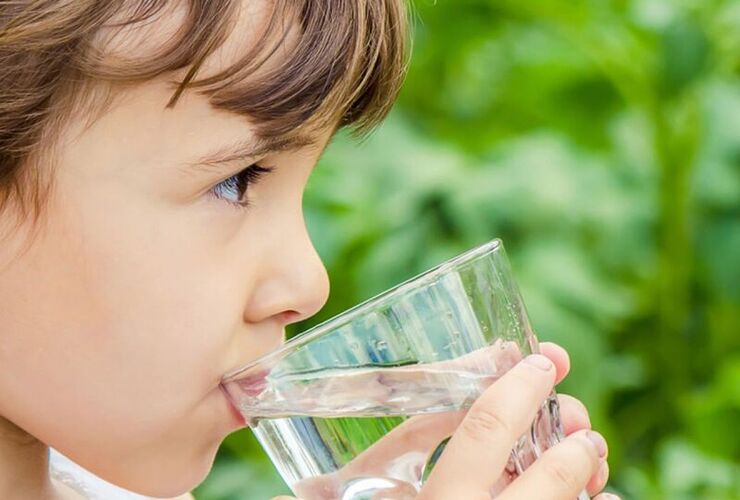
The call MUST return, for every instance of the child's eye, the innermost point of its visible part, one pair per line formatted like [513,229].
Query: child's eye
[234,189]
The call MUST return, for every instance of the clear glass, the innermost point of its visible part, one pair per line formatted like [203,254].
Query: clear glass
[361,406]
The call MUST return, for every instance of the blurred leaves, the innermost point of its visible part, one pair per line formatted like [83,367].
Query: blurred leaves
[601,140]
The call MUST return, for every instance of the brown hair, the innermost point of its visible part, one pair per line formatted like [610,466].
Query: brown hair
[345,67]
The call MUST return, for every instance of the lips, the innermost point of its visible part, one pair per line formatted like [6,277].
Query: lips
[253,384]
[238,417]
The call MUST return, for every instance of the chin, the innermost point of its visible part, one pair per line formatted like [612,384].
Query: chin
[168,482]
[187,467]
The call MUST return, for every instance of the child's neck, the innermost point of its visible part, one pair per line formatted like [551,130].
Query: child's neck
[24,466]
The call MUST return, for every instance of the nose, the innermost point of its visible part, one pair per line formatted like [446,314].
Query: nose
[294,284]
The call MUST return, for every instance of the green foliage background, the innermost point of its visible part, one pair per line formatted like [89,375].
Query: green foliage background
[601,140]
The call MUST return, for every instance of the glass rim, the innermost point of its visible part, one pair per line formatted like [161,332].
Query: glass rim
[353,312]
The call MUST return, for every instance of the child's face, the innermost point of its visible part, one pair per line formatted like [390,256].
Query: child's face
[142,289]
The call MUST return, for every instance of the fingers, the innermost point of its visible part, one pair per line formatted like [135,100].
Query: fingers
[606,496]
[420,433]
[563,471]
[598,481]
[574,417]
[573,414]
[479,449]
[559,356]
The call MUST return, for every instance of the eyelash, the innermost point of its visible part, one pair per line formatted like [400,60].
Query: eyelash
[240,183]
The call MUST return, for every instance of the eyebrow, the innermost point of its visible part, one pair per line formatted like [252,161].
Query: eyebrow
[248,149]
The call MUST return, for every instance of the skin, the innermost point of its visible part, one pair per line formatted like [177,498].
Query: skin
[473,464]
[142,288]
[142,291]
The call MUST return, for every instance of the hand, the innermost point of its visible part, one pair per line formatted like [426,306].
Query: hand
[483,439]
[487,433]
[574,415]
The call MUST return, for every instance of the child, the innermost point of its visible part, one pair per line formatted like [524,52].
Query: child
[153,155]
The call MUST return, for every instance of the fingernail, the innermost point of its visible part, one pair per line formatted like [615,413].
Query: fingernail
[610,496]
[539,361]
[598,441]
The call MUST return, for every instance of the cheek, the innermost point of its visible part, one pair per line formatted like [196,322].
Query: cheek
[121,327]
[163,313]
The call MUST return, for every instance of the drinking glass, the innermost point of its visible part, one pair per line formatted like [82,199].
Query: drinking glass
[362,405]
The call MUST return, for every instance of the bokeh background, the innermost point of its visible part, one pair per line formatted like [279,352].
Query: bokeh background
[601,140]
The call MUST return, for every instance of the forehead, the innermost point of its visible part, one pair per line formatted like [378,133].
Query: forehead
[288,65]
[227,49]
[237,28]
